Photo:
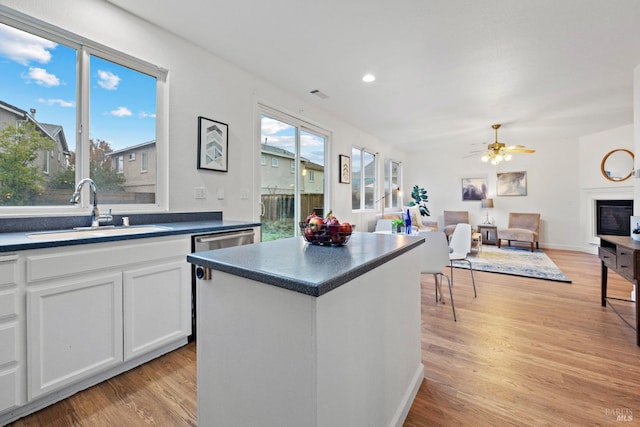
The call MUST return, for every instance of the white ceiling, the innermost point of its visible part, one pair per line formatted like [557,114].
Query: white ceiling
[446,69]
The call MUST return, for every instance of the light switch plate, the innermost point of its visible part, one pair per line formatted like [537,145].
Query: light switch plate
[200,192]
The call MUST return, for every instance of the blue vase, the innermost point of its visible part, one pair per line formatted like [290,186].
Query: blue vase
[407,222]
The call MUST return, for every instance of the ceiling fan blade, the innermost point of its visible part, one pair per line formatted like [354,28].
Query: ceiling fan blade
[520,150]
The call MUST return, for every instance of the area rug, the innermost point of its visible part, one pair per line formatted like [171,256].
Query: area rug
[515,261]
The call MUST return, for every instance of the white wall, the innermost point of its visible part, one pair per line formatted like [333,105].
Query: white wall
[593,185]
[201,84]
[552,186]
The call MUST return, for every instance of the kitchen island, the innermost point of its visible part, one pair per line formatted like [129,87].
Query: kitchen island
[293,334]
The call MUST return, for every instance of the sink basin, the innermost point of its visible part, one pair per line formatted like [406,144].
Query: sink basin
[95,232]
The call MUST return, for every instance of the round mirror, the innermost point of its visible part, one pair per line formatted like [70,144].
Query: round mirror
[617,165]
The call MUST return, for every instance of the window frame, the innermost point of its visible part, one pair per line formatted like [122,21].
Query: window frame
[362,151]
[84,49]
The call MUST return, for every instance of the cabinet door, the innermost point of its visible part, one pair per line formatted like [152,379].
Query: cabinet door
[75,331]
[157,307]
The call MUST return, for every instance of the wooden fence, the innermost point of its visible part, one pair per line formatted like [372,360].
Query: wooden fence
[280,207]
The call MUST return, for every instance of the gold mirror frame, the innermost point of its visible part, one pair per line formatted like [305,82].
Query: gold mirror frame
[604,160]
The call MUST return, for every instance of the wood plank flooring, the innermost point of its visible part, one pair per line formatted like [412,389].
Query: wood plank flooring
[526,352]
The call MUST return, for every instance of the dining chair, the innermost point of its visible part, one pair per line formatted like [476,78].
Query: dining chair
[460,246]
[383,225]
[434,258]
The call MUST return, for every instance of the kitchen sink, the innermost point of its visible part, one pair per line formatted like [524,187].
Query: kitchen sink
[95,232]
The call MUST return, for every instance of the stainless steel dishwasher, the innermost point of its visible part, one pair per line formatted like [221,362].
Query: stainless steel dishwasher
[208,242]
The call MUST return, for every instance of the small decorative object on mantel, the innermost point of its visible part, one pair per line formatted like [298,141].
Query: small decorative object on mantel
[635,228]
[213,145]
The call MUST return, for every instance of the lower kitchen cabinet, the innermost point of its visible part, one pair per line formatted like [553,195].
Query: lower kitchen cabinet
[71,317]
[12,365]
[74,331]
[157,307]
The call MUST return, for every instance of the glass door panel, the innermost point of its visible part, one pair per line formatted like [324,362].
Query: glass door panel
[292,160]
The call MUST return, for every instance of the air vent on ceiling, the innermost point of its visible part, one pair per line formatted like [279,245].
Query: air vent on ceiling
[319,94]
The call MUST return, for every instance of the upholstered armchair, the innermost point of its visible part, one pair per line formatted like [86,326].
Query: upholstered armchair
[453,218]
[523,227]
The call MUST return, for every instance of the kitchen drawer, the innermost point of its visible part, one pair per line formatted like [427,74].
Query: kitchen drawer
[608,257]
[8,269]
[8,343]
[8,304]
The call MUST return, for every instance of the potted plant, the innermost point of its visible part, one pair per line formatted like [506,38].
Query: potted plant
[396,225]
[635,233]
[420,199]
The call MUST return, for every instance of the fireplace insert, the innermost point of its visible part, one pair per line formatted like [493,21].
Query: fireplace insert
[613,216]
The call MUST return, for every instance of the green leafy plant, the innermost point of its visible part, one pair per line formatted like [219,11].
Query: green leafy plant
[420,199]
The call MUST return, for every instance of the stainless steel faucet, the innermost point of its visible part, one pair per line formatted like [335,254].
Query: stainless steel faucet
[96,218]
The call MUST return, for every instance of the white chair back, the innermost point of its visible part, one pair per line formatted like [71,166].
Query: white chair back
[435,254]
[460,241]
[383,225]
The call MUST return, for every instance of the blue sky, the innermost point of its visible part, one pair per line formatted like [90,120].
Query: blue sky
[38,73]
[282,135]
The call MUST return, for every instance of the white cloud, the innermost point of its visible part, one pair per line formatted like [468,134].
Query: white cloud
[23,47]
[121,112]
[57,101]
[42,77]
[107,80]
[144,115]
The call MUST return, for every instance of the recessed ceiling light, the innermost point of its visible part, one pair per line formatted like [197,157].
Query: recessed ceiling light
[368,78]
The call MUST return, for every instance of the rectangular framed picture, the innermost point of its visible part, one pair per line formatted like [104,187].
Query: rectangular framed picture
[511,184]
[345,169]
[213,145]
[474,189]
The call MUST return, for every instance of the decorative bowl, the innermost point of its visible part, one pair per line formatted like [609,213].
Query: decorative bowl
[329,235]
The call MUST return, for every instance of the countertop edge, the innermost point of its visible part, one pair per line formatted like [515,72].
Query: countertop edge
[300,285]
[21,241]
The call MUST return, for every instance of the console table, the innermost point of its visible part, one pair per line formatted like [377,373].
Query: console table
[622,255]
[489,233]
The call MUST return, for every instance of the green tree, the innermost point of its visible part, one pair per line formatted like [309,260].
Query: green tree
[102,173]
[21,181]
[101,170]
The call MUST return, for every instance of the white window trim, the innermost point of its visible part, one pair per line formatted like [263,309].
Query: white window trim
[376,186]
[86,47]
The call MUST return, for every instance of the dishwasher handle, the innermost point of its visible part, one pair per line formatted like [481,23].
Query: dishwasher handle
[225,236]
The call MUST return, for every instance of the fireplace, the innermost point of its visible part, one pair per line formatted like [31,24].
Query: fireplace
[612,217]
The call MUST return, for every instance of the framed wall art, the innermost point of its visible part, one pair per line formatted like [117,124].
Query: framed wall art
[213,145]
[474,189]
[345,169]
[511,184]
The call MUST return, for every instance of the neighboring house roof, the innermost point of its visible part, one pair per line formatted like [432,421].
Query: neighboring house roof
[281,152]
[132,148]
[55,132]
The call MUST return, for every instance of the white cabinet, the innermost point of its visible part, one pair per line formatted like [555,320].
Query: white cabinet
[11,346]
[157,307]
[98,308]
[74,331]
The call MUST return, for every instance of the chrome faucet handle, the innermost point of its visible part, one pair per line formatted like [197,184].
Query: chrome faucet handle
[105,217]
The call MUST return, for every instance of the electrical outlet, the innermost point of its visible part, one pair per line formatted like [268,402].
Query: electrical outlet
[200,192]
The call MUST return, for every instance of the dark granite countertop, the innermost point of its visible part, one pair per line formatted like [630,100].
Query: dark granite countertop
[169,224]
[302,267]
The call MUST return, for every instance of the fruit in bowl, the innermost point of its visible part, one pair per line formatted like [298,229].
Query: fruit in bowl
[325,231]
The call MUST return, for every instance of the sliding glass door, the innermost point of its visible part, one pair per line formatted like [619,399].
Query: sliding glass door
[292,165]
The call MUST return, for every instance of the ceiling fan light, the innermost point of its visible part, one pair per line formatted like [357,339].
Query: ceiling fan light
[485,158]
[508,157]
[499,158]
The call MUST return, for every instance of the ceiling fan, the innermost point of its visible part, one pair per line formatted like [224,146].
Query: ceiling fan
[499,151]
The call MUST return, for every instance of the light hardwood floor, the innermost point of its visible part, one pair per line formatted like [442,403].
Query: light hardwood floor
[526,352]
